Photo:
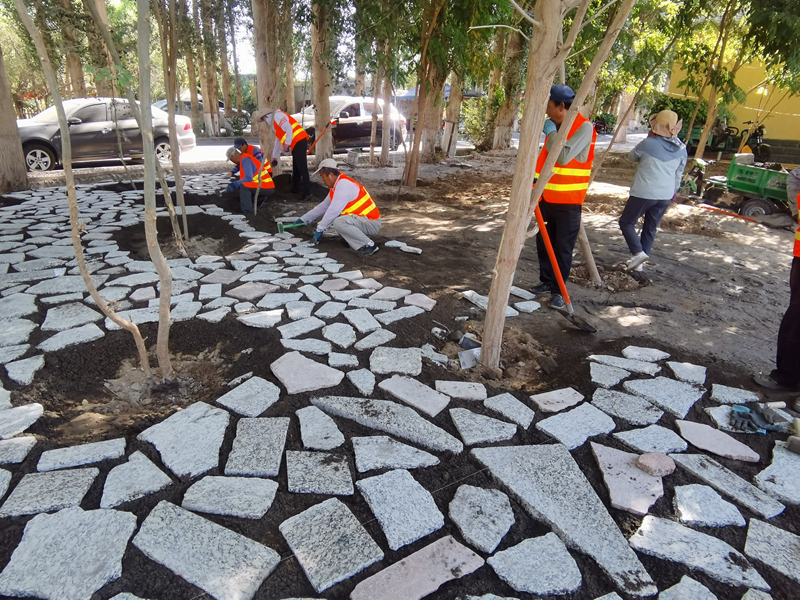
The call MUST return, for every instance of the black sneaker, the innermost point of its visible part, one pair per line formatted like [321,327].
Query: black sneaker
[368,250]
[542,288]
[557,301]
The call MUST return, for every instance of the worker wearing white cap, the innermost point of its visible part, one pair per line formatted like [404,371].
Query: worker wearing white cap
[289,135]
[348,208]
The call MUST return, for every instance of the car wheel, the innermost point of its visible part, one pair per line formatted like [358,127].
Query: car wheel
[39,158]
[163,150]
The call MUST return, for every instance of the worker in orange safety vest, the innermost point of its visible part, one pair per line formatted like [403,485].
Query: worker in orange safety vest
[565,191]
[289,135]
[249,166]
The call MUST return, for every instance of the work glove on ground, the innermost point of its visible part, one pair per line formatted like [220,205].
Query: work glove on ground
[317,237]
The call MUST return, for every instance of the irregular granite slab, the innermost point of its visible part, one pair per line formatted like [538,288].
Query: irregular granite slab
[218,561]
[730,395]
[251,291]
[76,456]
[631,409]
[405,510]
[341,334]
[574,427]
[299,310]
[557,400]
[688,372]
[729,484]
[243,497]
[382,452]
[15,420]
[272,301]
[375,339]
[482,302]
[687,589]
[301,327]
[258,447]
[775,548]
[23,371]
[318,473]
[132,480]
[318,430]
[72,337]
[310,345]
[606,376]
[405,312]
[16,331]
[68,316]
[656,464]
[551,487]
[329,543]
[251,398]
[675,397]
[263,319]
[189,440]
[634,366]
[299,374]
[406,361]
[673,542]
[782,478]
[700,506]
[15,450]
[390,293]
[391,418]
[415,394]
[630,488]
[363,379]
[69,555]
[540,566]
[653,439]
[421,573]
[644,354]
[512,409]
[330,310]
[482,516]
[478,429]
[462,390]
[715,441]
[12,353]
[19,305]
[48,492]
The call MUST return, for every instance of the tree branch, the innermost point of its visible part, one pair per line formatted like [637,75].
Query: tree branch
[500,25]
[597,14]
[525,14]
[573,31]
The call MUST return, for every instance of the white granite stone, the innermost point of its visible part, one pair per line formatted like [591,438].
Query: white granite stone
[258,447]
[631,409]
[132,480]
[415,394]
[363,379]
[215,316]
[389,317]
[687,589]
[730,395]
[541,566]
[263,319]
[511,408]
[482,302]
[218,561]
[19,305]
[644,354]
[277,300]
[69,555]
[314,294]
[652,439]
[318,473]
[406,361]
[222,276]
[405,510]
[673,542]
[16,331]
[329,543]
[756,595]
[606,376]
[370,304]
[630,488]
[15,420]
[729,484]
[340,360]
[782,478]
[362,320]
[375,339]
[557,400]
[77,456]
[347,295]
[318,430]
[145,294]
[48,492]
[333,285]
[340,334]
[574,427]
[634,366]
[72,337]
[700,506]
[310,345]
[11,353]
[688,372]
[462,390]
[251,291]
[712,440]
[550,486]
[302,327]
[5,398]
[528,306]
[15,450]
[241,308]
[775,548]
[368,283]
[349,275]
[391,418]
[330,310]
[189,440]
[61,298]
[5,479]
[675,397]
[390,293]
[421,300]
[429,352]
[251,398]
[299,309]
[299,374]
[242,497]
[209,291]
[482,516]
[521,293]
[478,429]
[382,452]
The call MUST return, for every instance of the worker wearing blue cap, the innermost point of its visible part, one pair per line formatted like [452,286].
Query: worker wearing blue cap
[565,191]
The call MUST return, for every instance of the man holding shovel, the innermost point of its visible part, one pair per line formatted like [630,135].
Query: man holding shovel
[289,135]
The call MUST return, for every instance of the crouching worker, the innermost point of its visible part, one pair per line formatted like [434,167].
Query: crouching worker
[248,167]
[348,208]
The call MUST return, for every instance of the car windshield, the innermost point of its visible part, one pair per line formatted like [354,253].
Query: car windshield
[49,115]
[158,113]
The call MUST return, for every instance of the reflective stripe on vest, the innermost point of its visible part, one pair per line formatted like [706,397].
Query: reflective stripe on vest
[569,183]
[298,133]
[362,206]
[266,172]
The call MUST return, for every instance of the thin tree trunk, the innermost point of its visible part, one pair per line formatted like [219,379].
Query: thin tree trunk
[210,60]
[322,81]
[13,175]
[237,81]
[377,78]
[511,81]
[73,61]
[291,105]
[498,50]
[223,63]
[453,116]
[98,49]
[388,129]
[361,74]
[208,125]
[265,41]
[432,122]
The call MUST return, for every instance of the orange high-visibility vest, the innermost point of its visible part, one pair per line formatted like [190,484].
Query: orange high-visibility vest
[362,206]
[797,234]
[298,133]
[569,183]
[266,172]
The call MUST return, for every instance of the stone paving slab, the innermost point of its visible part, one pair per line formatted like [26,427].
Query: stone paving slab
[557,400]
[340,334]
[421,300]
[482,302]
[392,418]
[314,294]
[299,374]
[606,376]
[302,327]
[11,353]
[782,478]
[16,331]
[375,339]
[263,319]
[756,595]
[644,354]
[242,497]
[406,361]
[278,299]
[675,397]
[215,316]
[251,398]
[258,447]
[48,492]
[673,542]
[688,372]
[775,548]
[220,562]
[251,291]
[415,394]
[390,293]
[329,543]
[330,310]
[333,285]
[653,439]
[687,589]
[14,421]
[310,345]
[340,360]
[700,506]
[551,487]
[69,555]
[5,479]
[77,456]
[382,452]
[634,366]
[629,487]
[370,304]
[362,319]
[406,312]
[15,450]
[299,309]
[483,516]
[189,440]
[715,441]
[317,430]
[631,409]
[318,473]
[574,427]
[132,480]
[222,276]
[478,429]
[462,390]
[510,408]
[421,573]
[729,484]
[348,295]
[363,379]
[540,566]
[72,337]
[730,395]
[405,510]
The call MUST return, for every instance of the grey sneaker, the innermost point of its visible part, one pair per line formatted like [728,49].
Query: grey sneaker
[557,301]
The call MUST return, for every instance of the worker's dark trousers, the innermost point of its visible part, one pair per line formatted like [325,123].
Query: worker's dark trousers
[301,181]
[653,211]
[788,360]
[247,194]
[563,224]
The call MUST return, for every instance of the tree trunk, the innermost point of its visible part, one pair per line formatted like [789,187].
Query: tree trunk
[13,175]
[389,130]
[237,81]
[321,79]
[511,82]
[361,74]
[265,41]
[453,116]
[173,133]
[223,63]
[210,100]
[432,122]
[73,63]
[208,126]
[287,56]
[497,68]
[377,78]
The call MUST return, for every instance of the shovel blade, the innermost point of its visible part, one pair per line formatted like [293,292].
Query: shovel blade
[579,322]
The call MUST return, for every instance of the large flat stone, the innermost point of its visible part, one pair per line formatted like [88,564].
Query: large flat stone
[23,371]
[318,430]
[390,293]
[132,480]
[675,397]
[606,376]
[258,447]
[406,361]
[16,331]
[48,492]
[715,441]
[540,566]
[330,310]
[77,456]
[251,291]
[220,562]
[700,506]
[364,381]
[688,372]
[68,316]
[262,319]
[653,439]
[189,440]
[251,398]
[478,429]
[318,473]
[510,408]
[329,543]
[222,276]
[551,487]
[574,427]
[299,309]
[730,395]
[673,542]
[370,304]
[557,400]
[644,354]
[630,488]
[687,589]
[341,334]
[415,394]
[775,548]
[69,555]
[19,305]
[391,418]
[299,374]
[729,484]
[405,312]
[72,337]
[631,409]
[313,293]
[482,516]
[382,452]
[301,327]
[634,366]
[421,573]
[482,302]
[310,345]
[782,478]
[375,339]
[405,510]
[15,420]
[15,450]
[272,301]
[11,353]
[462,390]
[362,319]
[242,497]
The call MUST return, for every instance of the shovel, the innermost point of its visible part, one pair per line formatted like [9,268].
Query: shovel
[567,311]
[284,226]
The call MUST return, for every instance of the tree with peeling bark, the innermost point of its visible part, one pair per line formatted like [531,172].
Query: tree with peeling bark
[322,48]
[265,40]
[14,175]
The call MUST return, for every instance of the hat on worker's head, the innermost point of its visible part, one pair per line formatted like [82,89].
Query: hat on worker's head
[562,93]
[328,163]
[230,152]
[261,113]
[239,142]
[666,123]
